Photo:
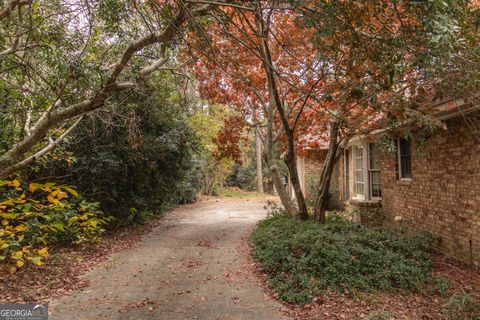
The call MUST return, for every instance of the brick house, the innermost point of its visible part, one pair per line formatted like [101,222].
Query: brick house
[435,188]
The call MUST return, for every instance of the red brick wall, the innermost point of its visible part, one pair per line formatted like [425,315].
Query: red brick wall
[443,197]
[313,167]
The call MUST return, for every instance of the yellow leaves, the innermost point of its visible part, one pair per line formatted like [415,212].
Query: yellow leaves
[72,191]
[17,255]
[59,226]
[33,218]
[56,196]
[10,183]
[32,187]
[3,244]
[37,261]
[9,216]
[73,220]
[43,252]
[52,199]
[15,183]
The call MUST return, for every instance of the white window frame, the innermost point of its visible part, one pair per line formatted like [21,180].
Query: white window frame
[366,169]
[401,176]
[364,173]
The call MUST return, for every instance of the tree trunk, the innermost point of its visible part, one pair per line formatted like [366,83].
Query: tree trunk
[258,150]
[210,177]
[278,183]
[291,161]
[321,199]
[275,101]
[273,169]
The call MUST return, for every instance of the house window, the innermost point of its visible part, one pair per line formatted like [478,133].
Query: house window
[404,159]
[359,171]
[366,172]
[374,171]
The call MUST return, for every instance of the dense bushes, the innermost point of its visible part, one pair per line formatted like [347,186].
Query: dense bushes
[303,258]
[41,215]
[136,158]
[243,177]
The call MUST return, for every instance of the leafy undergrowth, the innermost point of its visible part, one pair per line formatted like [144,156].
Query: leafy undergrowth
[452,293]
[37,216]
[303,259]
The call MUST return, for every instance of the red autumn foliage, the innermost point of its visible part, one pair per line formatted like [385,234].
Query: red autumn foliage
[229,139]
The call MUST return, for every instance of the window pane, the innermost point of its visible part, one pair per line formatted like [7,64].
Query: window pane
[375,184]
[359,188]
[404,147]
[375,177]
[405,158]
[347,174]
[376,191]
[359,181]
[374,156]
[359,176]
[359,157]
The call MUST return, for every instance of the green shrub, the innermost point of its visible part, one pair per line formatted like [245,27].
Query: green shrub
[303,258]
[136,158]
[243,177]
[462,307]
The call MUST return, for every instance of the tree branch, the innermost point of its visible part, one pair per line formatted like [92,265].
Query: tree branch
[13,157]
[9,6]
[51,145]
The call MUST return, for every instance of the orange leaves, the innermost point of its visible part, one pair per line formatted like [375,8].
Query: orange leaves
[229,138]
[229,68]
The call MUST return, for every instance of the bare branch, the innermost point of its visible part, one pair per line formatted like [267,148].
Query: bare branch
[154,66]
[8,8]
[52,144]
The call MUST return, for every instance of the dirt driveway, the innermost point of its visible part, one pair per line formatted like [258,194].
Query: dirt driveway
[190,267]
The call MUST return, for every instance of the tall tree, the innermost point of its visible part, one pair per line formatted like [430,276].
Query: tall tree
[61,60]
[254,59]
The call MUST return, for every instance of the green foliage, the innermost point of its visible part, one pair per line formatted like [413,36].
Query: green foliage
[303,258]
[441,284]
[462,307]
[206,123]
[137,158]
[41,215]
[238,193]
[242,176]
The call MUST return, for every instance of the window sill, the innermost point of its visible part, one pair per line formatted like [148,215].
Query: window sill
[365,203]
[404,181]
